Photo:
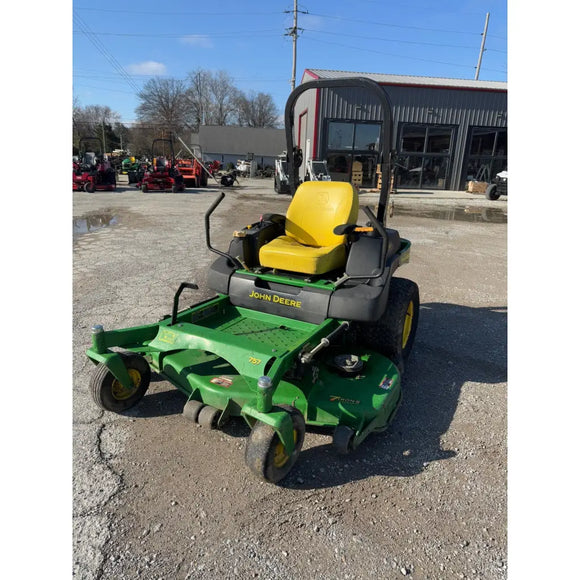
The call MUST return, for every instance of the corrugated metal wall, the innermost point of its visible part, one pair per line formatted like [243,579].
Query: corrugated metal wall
[462,108]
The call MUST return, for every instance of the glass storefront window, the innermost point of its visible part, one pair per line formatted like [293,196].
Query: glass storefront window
[435,172]
[367,136]
[413,140]
[501,143]
[482,141]
[340,135]
[425,158]
[352,147]
[339,166]
[487,154]
[408,170]
[438,140]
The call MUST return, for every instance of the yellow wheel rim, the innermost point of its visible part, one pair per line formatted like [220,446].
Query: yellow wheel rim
[408,323]
[120,392]
[280,455]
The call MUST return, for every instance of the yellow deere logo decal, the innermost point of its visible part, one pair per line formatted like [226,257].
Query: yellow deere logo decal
[276,299]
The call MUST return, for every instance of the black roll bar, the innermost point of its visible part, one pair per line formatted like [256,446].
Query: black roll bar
[385,142]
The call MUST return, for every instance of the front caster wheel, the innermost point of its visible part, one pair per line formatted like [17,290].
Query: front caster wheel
[109,394]
[266,456]
[342,440]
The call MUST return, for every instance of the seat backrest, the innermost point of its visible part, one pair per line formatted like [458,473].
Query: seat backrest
[317,208]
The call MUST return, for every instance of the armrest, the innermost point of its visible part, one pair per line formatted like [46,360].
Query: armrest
[276,218]
[344,229]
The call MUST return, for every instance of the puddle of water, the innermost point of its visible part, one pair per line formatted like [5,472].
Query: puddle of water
[93,222]
[493,215]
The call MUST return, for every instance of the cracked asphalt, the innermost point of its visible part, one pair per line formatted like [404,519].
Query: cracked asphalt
[155,497]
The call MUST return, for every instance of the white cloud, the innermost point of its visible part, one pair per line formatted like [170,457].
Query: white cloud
[199,40]
[149,67]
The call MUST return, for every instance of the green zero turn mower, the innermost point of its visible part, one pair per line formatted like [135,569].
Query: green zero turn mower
[308,326]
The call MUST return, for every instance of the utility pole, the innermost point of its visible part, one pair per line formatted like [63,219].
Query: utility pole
[293,32]
[482,46]
[104,141]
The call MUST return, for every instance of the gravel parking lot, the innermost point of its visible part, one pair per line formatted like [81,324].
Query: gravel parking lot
[156,497]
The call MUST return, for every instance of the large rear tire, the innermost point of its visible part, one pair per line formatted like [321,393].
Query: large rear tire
[393,334]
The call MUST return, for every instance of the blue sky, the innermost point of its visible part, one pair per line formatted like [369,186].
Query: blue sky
[116,48]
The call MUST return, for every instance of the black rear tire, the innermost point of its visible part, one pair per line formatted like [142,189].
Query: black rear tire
[393,334]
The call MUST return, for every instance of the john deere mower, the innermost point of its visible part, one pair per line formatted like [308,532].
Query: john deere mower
[308,326]
[130,166]
[92,171]
[163,174]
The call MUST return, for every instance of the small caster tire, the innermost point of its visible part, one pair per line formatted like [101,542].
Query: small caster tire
[342,440]
[266,455]
[208,417]
[109,394]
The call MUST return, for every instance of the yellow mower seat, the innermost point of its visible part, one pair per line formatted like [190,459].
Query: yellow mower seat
[310,246]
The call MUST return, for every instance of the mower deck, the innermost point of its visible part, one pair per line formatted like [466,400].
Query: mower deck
[216,352]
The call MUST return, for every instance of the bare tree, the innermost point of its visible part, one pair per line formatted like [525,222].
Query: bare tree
[257,110]
[198,96]
[164,102]
[224,95]
[215,100]
[94,121]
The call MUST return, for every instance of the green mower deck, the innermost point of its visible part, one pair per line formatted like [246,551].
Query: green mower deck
[215,353]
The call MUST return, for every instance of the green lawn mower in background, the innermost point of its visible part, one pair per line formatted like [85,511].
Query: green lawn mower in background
[308,325]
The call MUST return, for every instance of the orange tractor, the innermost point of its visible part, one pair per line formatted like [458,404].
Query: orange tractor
[194,174]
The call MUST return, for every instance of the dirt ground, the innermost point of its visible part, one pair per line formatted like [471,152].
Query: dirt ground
[155,497]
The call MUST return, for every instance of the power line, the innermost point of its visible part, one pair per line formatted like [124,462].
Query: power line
[175,13]
[404,26]
[395,55]
[383,39]
[233,34]
[103,50]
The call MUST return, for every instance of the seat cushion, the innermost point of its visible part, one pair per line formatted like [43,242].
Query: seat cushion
[310,245]
[317,208]
[286,253]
